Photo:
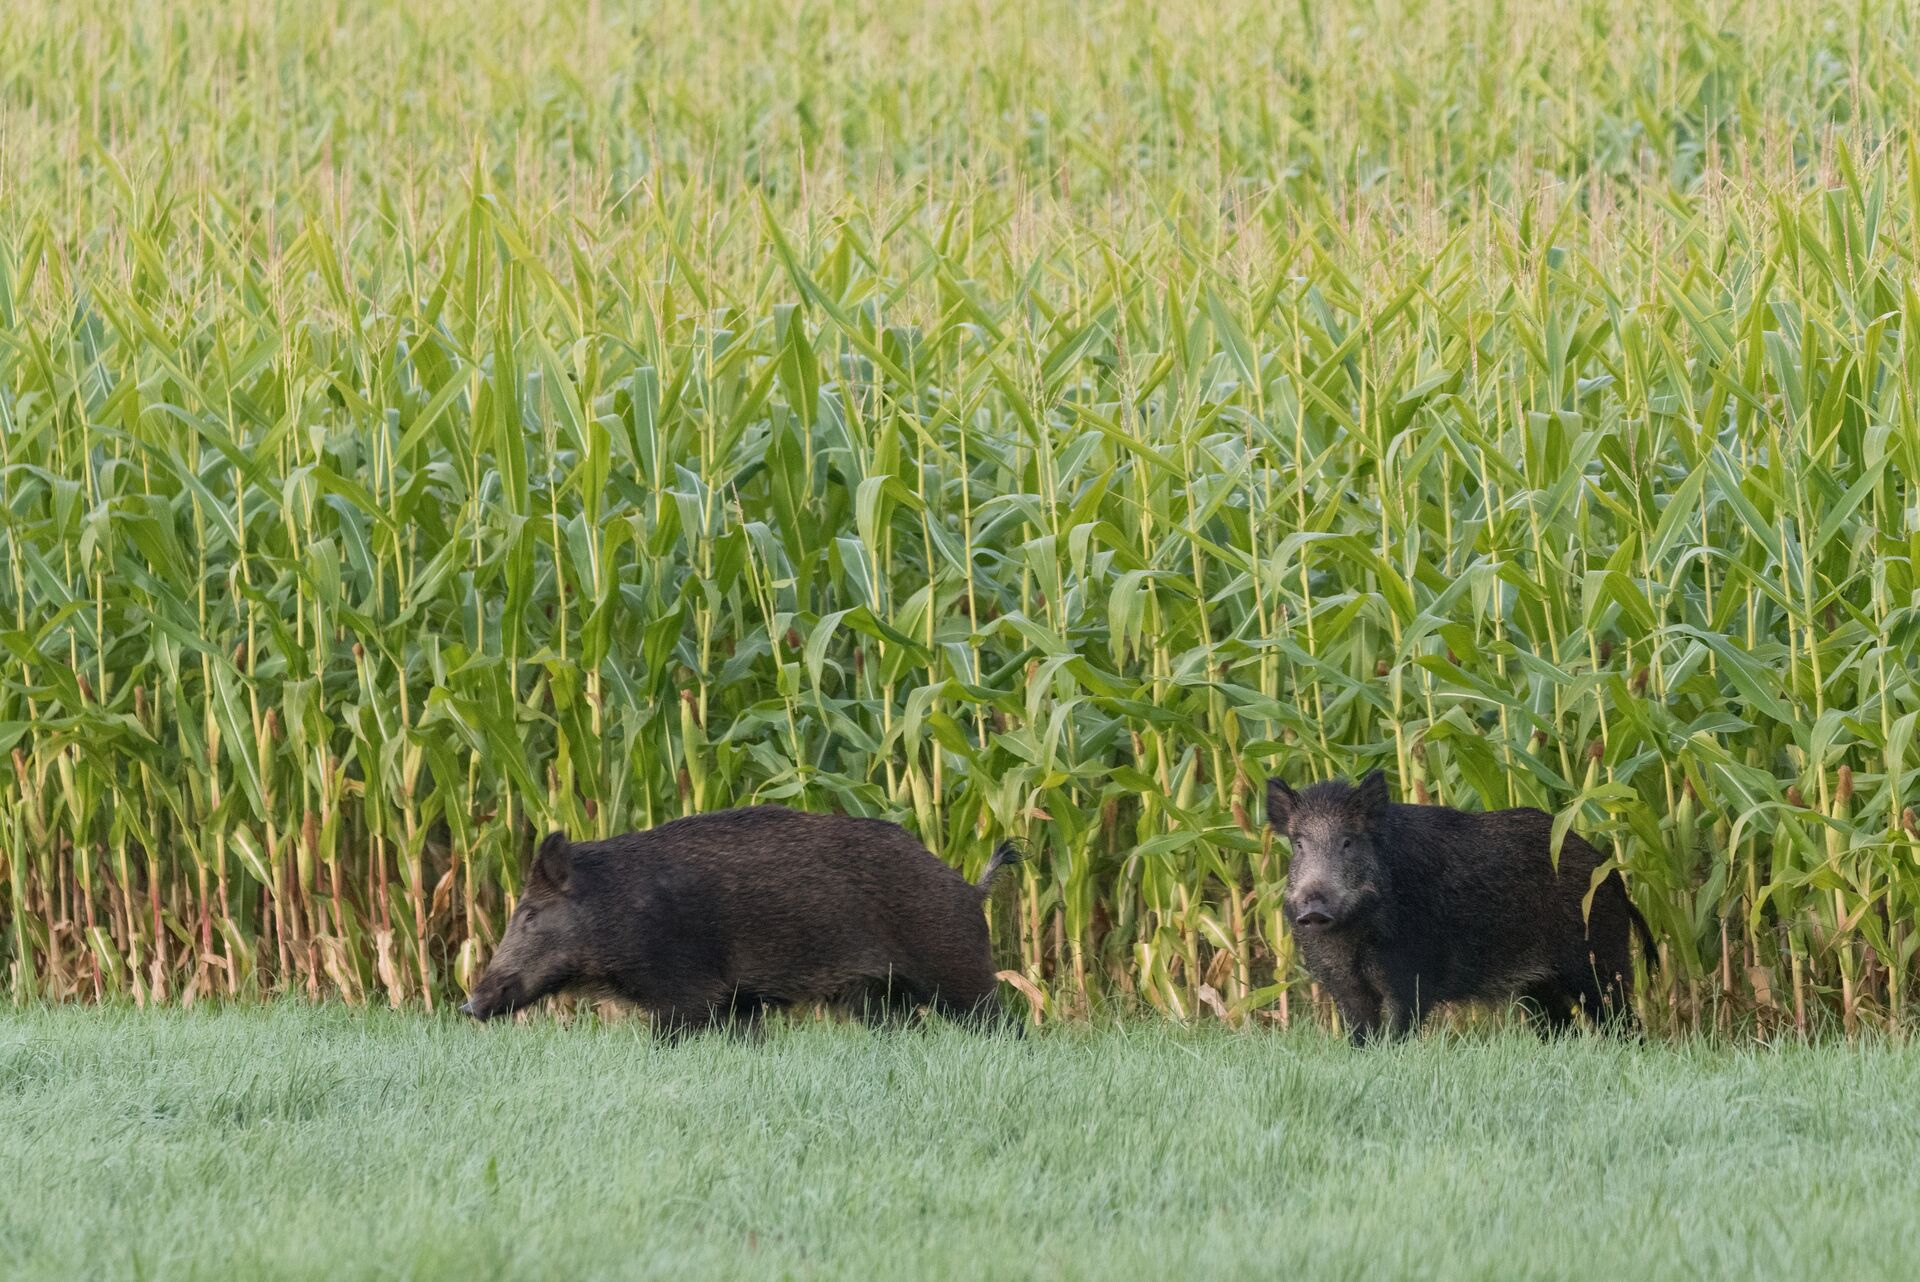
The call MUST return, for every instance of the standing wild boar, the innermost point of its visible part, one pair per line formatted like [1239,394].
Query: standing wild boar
[1400,908]
[725,916]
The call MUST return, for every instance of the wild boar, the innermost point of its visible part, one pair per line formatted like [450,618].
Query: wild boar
[722,917]
[1400,908]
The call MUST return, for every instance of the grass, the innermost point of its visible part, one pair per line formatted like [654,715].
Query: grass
[324,1142]
[424,424]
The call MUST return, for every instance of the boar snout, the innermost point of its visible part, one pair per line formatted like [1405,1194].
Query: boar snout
[1321,906]
[492,999]
[1313,912]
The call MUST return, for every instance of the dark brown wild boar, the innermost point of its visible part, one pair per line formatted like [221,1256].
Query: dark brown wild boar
[1400,908]
[725,916]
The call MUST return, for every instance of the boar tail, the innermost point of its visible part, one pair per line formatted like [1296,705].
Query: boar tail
[1007,852]
[1648,950]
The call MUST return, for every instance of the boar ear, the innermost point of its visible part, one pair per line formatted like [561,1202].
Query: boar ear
[1280,802]
[553,862]
[1374,798]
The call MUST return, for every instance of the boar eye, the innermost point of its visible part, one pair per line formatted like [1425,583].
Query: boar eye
[1346,843]
[527,915]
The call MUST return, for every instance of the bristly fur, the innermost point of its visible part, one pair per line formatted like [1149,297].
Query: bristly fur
[1007,852]
[720,917]
[1401,908]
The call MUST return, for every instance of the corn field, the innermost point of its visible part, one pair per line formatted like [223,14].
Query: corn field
[424,425]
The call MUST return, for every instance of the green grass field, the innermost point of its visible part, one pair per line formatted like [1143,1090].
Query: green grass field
[331,1143]
[427,423]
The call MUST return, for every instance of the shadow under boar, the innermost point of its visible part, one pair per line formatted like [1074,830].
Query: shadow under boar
[728,915]
[1400,908]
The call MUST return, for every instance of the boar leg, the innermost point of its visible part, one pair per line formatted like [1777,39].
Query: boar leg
[673,1024]
[1359,1008]
[1549,1009]
[973,1000]
[1605,982]
[1399,1016]
[737,1012]
[1608,1003]
[1402,1009]
[747,1016]
[881,1002]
